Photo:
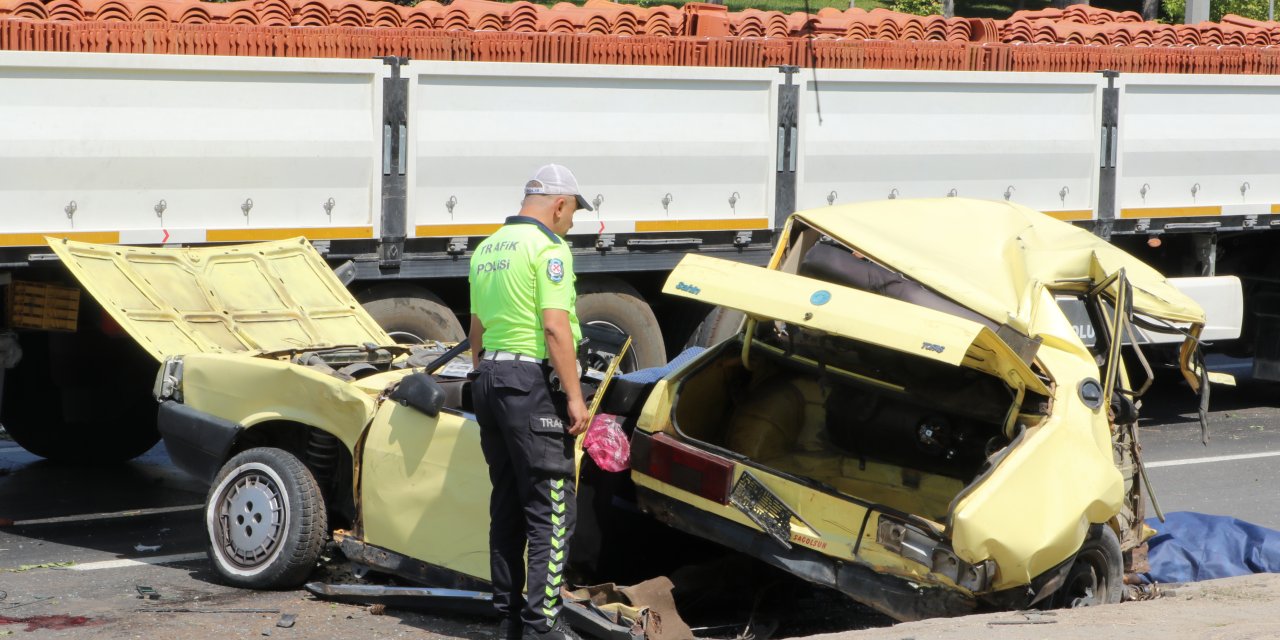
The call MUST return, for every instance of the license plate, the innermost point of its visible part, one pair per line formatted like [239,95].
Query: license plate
[764,507]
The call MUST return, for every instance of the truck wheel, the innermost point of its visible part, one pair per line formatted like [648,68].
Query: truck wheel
[1096,575]
[720,324]
[411,314]
[81,398]
[612,302]
[266,520]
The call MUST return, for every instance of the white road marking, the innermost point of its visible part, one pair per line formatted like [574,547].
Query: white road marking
[1184,461]
[108,516]
[137,562]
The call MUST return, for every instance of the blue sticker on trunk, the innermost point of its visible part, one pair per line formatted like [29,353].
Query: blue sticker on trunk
[820,297]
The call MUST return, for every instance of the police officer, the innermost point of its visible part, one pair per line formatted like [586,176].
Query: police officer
[523,329]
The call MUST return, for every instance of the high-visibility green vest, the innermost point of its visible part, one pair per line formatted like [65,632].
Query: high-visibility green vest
[516,273]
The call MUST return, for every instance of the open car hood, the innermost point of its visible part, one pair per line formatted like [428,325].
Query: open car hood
[996,258]
[268,296]
[773,295]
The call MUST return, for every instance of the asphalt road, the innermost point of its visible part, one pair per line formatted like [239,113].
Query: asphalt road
[1237,474]
[76,542]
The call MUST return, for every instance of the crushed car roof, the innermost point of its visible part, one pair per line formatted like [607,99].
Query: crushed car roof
[267,296]
[996,258]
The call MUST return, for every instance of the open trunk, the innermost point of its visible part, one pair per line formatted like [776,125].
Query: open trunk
[852,418]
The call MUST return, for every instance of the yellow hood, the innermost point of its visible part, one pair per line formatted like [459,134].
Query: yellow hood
[268,296]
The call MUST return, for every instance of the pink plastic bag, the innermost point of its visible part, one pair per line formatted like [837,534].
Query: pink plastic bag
[607,444]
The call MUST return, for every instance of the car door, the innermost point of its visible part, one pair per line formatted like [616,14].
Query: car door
[424,483]
[424,488]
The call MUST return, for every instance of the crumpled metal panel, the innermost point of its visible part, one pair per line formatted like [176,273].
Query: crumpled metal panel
[255,298]
[773,295]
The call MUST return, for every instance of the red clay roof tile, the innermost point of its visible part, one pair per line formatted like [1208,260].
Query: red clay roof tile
[1077,38]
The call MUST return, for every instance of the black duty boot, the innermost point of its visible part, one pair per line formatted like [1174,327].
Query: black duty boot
[559,631]
[509,629]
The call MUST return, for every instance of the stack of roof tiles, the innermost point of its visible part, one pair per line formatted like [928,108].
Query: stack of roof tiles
[1079,38]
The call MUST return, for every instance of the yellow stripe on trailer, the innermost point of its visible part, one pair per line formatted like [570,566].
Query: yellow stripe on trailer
[1072,215]
[37,239]
[1171,212]
[311,233]
[722,224]
[453,230]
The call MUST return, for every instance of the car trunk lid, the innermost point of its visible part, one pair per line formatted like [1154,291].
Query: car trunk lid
[254,298]
[766,294]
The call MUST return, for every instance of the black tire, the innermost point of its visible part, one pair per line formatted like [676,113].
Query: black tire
[412,314]
[272,489]
[720,324]
[1096,575]
[81,398]
[612,302]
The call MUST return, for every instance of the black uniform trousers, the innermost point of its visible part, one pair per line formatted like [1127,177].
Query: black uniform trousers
[530,455]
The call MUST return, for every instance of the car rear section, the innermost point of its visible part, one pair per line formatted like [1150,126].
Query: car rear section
[833,435]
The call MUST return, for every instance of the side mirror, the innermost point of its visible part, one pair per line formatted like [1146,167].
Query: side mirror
[421,392]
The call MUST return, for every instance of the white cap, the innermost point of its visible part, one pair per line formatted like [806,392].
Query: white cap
[555,180]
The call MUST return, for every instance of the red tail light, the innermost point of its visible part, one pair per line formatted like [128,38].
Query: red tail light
[664,458]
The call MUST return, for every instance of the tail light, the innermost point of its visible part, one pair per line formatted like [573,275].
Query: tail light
[666,459]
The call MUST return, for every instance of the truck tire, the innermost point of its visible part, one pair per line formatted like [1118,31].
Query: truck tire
[81,398]
[266,520]
[1096,575]
[612,302]
[411,314]
[720,324]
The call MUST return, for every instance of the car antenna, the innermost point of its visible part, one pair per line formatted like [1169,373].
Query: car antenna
[813,59]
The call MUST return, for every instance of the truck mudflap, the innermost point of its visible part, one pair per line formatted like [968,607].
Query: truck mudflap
[198,443]
[896,597]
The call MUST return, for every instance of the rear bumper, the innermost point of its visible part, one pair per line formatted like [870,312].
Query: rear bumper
[891,595]
[198,443]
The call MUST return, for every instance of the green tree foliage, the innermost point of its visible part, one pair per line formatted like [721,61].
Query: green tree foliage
[918,7]
[1176,10]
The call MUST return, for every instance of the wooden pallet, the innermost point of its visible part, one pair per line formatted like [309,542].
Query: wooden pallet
[39,305]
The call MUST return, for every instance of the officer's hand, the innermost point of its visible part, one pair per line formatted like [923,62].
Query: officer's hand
[579,417]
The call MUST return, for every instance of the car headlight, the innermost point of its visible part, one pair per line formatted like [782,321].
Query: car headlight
[169,380]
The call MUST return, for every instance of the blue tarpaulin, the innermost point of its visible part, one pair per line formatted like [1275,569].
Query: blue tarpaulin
[1197,546]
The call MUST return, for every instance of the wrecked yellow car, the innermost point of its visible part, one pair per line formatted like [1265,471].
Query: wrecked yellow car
[907,416]
[302,413]
[912,423]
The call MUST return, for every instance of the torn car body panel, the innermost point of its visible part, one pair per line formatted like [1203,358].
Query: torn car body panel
[268,296]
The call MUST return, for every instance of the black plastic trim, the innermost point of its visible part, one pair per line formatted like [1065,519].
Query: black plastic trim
[198,443]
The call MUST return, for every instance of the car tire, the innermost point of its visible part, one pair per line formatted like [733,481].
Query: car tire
[614,303]
[411,314]
[1096,575]
[720,324]
[266,520]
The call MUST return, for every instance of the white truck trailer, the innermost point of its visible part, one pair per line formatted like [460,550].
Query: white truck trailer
[395,170]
